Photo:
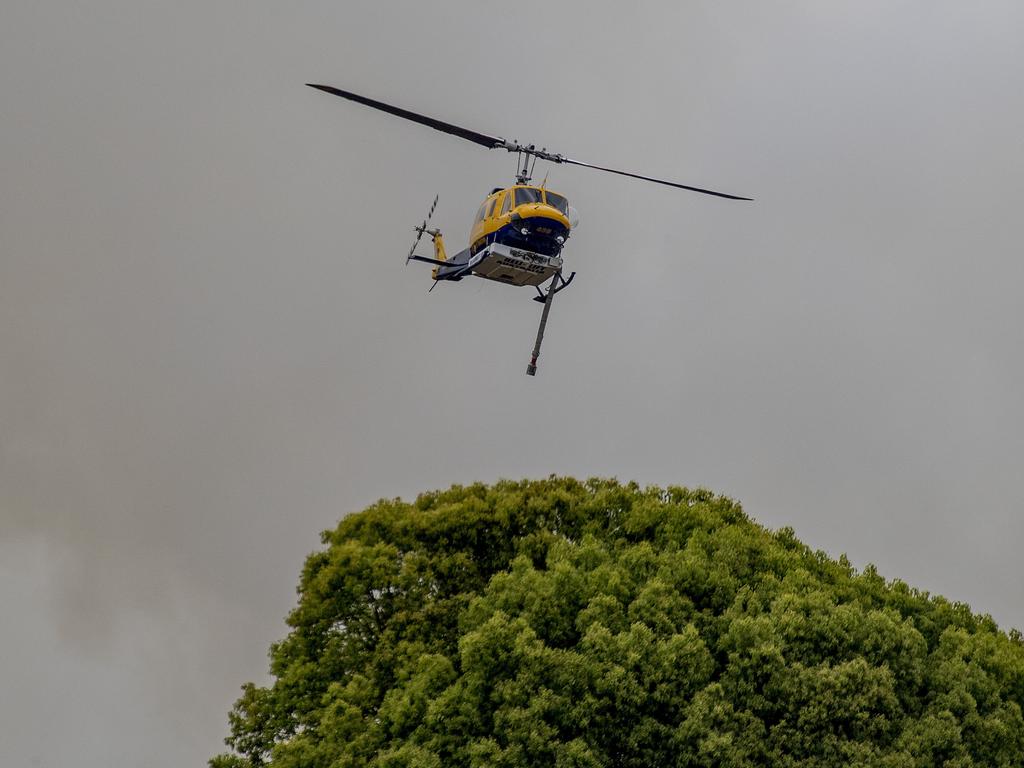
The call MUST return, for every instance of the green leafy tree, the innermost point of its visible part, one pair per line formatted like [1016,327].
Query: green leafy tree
[599,625]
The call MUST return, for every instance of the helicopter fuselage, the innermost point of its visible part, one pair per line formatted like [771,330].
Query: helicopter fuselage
[516,238]
[530,218]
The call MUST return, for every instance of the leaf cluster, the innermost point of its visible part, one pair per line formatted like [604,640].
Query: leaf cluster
[594,624]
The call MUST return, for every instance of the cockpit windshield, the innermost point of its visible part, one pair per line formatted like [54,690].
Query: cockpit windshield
[557,201]
[526,195]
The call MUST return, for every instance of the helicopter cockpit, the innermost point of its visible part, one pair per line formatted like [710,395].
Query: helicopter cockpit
[540,196]
[527,195]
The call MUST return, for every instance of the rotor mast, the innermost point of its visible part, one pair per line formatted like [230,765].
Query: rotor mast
[524,174]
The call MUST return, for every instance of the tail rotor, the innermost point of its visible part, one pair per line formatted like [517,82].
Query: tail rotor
[422,228]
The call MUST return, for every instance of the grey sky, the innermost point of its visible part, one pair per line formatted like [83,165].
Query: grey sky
[210,349]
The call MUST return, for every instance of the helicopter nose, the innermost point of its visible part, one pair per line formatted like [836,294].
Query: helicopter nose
[541,211]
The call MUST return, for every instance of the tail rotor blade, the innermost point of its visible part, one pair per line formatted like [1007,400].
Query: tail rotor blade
[416,242]
[422,228]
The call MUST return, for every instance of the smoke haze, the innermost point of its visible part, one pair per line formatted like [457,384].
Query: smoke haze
[210,350]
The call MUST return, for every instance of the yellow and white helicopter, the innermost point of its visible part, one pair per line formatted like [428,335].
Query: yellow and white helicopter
[519,231]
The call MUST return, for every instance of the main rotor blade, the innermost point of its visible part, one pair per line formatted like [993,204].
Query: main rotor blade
[656,181]
[496,142]
[463,133]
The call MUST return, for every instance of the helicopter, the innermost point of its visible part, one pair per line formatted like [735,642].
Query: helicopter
[519,231]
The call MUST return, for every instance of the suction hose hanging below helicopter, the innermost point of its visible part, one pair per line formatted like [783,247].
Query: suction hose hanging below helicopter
[531,369]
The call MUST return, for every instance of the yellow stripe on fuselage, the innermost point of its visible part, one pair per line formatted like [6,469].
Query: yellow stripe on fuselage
[488,225]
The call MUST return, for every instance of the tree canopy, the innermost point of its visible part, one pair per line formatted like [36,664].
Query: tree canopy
[562,624]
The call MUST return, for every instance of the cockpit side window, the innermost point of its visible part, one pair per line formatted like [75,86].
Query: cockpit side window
[490,208]
[506,203]
[557,201]
[480,213]
[527,195]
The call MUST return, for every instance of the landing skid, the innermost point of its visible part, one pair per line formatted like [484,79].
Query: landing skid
[562,283]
